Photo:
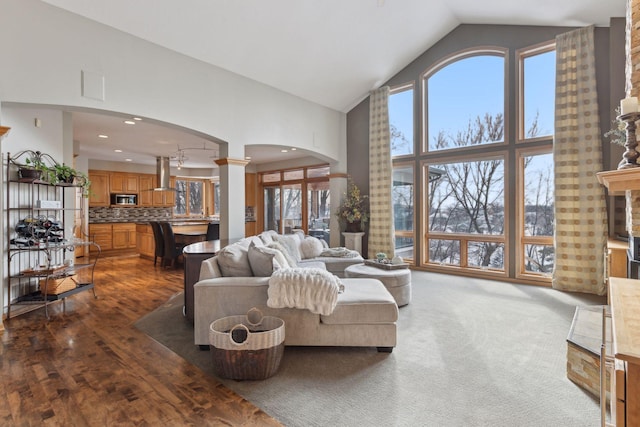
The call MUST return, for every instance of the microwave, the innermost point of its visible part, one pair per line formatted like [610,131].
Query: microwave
[124,199]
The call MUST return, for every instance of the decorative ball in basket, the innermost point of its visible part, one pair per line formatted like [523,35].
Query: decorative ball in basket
[247,347]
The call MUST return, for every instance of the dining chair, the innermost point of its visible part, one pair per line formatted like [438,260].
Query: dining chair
[172,250]
[158,237]
[213,231]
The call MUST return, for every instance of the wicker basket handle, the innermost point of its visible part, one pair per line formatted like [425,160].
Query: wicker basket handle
[254,316]
[241,341]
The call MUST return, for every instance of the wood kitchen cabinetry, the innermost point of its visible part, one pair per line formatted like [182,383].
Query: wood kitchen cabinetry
[165,198]
[124,236]
[123,183]
[120,236]
[104,183]
[145,241]
[100,234]
[146,184]
[99,192]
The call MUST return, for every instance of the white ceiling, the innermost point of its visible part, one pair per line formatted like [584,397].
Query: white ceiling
[332,52]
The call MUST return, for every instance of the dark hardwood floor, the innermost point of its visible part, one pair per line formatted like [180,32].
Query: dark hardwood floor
[89,366]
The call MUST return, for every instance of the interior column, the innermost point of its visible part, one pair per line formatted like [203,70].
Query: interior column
[232,202]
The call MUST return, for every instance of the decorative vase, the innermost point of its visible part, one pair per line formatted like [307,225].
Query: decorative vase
[353,227]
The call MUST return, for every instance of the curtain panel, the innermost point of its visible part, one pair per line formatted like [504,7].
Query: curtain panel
[580,212]
[381,230]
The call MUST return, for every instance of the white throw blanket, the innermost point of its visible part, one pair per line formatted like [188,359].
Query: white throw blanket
[306,288]
[339,253]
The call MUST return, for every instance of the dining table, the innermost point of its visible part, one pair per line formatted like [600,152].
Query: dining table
[187,234]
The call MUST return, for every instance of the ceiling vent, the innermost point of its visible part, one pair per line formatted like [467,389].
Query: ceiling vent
[163,174]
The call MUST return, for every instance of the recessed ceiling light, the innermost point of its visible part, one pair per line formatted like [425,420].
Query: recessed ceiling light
[130,122]
[137,118]
[103,136]
[247,158]
[293,148]
[118,151]
[128,160]
[284,151]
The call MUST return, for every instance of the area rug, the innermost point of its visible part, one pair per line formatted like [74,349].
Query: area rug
[470,352]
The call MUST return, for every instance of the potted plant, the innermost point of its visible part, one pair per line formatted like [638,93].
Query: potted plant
[354,209]
[61,173]
[34,166]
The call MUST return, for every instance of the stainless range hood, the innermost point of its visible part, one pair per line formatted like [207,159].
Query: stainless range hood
[163,174]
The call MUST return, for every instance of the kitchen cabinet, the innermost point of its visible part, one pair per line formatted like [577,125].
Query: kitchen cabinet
[123,236]
[146,184]
[100,234]
[99,192]
[145,241]
[123,183]
[165,198]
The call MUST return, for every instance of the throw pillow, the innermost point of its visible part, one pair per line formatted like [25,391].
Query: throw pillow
[266,237]
[310,247]
[233,261]
[285,252]
[264,260]
[292,243]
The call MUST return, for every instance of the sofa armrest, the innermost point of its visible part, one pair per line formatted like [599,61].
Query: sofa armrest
[225,296]
[210,269]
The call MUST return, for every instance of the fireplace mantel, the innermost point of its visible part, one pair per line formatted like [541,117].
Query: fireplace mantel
[618,181]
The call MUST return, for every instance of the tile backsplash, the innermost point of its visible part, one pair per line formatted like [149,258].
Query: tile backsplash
[103,214]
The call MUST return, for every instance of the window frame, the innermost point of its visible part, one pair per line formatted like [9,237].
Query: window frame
[206,199]
[521,55]
[443,63]
[413,232]
[521,238]
[465,238]
[402,88]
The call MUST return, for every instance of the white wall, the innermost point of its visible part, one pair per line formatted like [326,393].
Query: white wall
[45,49]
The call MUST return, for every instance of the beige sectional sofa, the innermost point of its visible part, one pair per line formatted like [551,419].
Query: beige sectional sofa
[365,313]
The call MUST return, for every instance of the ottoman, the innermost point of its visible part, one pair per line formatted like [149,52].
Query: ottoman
[397,282]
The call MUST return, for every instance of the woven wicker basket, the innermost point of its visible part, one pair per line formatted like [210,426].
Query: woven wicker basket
[247,347]
[58,285]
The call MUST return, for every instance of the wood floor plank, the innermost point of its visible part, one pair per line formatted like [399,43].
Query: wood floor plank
[88,365]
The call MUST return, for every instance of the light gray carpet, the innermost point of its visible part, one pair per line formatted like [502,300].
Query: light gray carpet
[470,352]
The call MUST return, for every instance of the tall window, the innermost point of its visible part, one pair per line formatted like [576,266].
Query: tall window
[535,208]
[477,178]
[401,125]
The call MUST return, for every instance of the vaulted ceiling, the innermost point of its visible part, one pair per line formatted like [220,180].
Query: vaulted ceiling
[331,52]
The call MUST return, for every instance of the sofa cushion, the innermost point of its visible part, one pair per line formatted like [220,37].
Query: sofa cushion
[265,260]
[310,247]
[233,261]
[363,301]
[285,252]
[291,243]
[266,237]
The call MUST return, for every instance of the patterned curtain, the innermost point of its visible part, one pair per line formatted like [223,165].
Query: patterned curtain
[580,213]
[381,232]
